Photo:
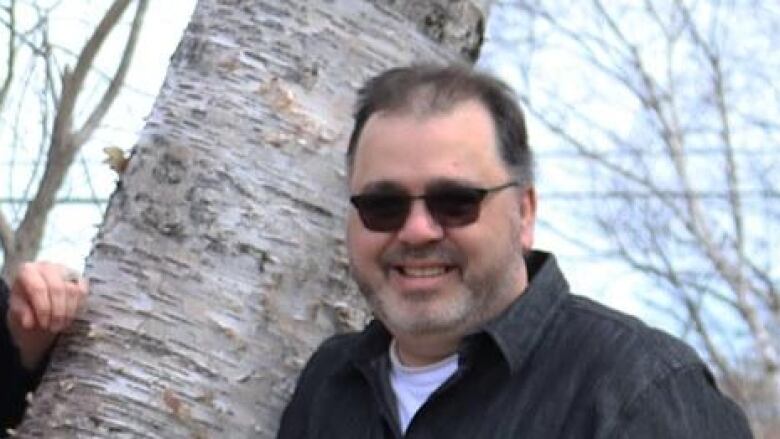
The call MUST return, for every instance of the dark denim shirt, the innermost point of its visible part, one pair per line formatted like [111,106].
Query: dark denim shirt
[553,365]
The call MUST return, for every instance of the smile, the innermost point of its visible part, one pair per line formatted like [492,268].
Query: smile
[423,271]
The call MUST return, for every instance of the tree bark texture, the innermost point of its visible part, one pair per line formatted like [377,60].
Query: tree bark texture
[220,264]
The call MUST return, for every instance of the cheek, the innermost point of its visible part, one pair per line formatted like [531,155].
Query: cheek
[363,246]
[495,236]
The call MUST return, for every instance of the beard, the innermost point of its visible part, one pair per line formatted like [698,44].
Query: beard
[479,293]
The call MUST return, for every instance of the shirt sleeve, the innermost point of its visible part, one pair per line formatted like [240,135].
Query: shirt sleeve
[15,380]
[684,404]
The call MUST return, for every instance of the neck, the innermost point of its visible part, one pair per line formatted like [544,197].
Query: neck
[421,350]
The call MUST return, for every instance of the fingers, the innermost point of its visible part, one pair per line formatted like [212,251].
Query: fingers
[21,312]
[30,286]
[58,297]
[46,296]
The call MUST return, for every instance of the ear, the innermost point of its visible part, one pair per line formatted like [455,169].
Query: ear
[528,218]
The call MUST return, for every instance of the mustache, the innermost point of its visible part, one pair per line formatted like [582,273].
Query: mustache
[438,252]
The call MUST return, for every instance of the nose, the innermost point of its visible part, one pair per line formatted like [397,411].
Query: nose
[420,227]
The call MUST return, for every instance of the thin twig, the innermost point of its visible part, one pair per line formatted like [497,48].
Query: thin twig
[62,149]
[117,81]
[11,53]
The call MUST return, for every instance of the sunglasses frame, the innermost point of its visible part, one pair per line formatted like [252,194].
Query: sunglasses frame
[360,202]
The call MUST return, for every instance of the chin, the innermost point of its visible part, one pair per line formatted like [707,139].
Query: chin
[411,319]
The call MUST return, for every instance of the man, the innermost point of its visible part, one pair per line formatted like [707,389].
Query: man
[41,303]
[476,334]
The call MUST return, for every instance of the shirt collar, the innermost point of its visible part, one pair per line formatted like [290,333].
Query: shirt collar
[520,327]
[374,342]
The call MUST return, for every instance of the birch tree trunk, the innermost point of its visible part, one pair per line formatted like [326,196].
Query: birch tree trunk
[220,264]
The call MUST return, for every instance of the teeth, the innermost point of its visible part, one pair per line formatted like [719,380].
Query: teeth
[423,271]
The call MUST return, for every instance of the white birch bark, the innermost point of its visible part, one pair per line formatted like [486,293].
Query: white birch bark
[220,264]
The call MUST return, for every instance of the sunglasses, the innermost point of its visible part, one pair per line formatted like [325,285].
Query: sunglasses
[449,204]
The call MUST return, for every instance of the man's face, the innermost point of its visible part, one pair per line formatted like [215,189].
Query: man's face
[425,278]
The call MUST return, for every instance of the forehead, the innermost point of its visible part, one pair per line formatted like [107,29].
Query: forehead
[413,149]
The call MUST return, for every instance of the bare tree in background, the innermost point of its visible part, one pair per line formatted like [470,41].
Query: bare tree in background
[675,106]
[56,78]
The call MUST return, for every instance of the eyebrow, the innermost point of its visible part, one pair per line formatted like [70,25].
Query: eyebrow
[394,186]
[383,186]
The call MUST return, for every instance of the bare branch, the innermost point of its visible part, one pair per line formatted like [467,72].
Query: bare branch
[720,362]
[49,69]
[72,83]
[90,185]
[6,235]
[695,220]
[62,148]
[732,273]
[11,53]
[667,271]
[25,87]
[601,159]
[697,223]
[771,296]
[117,81]
[673,139]
[692,302]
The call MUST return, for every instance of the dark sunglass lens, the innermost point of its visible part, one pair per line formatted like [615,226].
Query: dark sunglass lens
[382,212]
[455,207]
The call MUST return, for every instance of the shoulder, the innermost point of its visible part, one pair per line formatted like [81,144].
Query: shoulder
[644,380]
[622,341]
[329,360]
[332,358]
[618,352]
[333,353]
[334,362]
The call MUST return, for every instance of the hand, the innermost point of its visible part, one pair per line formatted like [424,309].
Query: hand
[44,300]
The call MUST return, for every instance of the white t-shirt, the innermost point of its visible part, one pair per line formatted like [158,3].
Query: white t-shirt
[413,385]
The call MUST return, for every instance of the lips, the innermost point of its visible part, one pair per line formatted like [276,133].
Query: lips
[423,272]
[424,267]
[418,274]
